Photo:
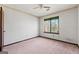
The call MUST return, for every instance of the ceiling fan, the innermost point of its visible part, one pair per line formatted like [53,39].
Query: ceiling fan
[41,6]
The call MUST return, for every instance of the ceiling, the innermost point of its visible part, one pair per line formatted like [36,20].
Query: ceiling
[29,8]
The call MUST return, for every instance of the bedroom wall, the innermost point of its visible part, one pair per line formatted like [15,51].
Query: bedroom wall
[67,26]
[18,26]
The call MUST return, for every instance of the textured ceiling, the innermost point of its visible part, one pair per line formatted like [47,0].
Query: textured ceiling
[29,8]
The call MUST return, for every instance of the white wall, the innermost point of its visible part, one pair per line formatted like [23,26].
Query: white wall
[67,26]
[18,26]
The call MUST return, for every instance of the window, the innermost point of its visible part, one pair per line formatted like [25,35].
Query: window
[51,25]
[47,26]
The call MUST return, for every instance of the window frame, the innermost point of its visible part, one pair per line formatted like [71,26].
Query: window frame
[49,19]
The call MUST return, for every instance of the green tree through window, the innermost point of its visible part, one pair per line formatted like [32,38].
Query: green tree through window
[51,25]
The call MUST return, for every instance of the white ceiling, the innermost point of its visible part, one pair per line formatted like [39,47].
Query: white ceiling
[41,12]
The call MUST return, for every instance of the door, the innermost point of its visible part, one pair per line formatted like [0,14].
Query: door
[1,29]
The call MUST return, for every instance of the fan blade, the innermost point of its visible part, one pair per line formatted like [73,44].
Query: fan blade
[46,7]
[35,7]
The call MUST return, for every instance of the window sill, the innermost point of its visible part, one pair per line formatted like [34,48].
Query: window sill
[51,33]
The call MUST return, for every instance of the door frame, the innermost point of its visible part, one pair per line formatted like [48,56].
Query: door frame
[1,30]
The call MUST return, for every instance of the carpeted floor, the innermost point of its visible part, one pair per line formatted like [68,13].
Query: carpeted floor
[42,46]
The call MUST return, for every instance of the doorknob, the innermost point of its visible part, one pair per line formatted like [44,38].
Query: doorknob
[4,31]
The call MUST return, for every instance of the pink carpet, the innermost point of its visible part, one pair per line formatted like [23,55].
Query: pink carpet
[42,46]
